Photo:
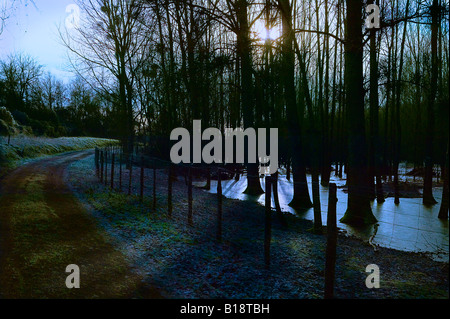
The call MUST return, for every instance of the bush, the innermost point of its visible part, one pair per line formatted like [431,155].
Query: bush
[7,117]
[4,128]
[26,130]
[21,117]
[37,126]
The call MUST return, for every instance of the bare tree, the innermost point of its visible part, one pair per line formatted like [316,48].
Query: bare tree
[8,8]
[358,209]
[301,197]
[19,73]
[428,198]
[108,48]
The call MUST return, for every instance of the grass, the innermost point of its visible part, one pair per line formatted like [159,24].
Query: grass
[22,148]
[47,231]
[127,214]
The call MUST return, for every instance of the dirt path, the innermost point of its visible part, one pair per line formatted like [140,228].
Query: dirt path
[44,228]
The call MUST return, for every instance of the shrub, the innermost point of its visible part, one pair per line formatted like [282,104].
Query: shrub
[26,130]
[7,117]
[4,128]
[37,126]
[21,117]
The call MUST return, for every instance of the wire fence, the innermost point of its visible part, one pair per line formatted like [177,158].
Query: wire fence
[136,174]
[406,227]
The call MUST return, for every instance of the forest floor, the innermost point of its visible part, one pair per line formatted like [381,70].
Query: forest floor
[54,212]
[186,261]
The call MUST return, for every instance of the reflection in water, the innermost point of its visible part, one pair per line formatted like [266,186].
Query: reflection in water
[409,226]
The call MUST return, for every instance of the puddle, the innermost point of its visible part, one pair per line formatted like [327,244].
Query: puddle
[409,226]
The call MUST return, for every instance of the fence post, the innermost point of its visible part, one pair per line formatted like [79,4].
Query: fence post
[208,180]
[219,205]
[141,196]
[112,170]
[120,170]
[96,162]
[190,196]
[330,261]
[443,210]
[106,167]
[102,160]
[169,190]
[154,184]
[276,199]
[237,176]
[317,228]
[268,222]
[131,173]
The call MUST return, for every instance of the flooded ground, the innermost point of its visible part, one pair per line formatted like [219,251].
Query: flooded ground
[409,226]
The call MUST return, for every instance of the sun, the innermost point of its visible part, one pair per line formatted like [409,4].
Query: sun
[262,33]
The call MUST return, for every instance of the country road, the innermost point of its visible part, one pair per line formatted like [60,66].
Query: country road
[44,228]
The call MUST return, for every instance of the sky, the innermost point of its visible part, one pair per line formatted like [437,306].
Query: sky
[33,30]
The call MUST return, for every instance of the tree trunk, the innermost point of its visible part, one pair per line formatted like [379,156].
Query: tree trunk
[444,209]
[327,128]
[301,197]
[358,211]
[397,115]
[244,53]
[428,198]
[375,158]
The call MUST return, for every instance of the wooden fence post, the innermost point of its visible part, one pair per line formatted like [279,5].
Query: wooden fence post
[106,167]
[154,185]
[237,175]
[112,170]
[443,209]
[208,179]
[131,173]
[141,194]
[102,160]
[120,170]
[276,199]
[97,162]
[268,222]
[331,242]
[189,196]
[317,228]
[169,191]
[219,205]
